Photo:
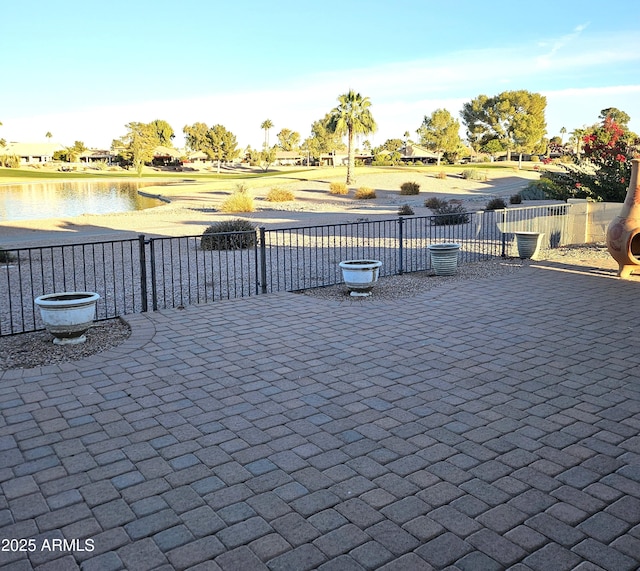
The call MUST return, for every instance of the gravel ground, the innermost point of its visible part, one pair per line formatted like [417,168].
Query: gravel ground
[36,349]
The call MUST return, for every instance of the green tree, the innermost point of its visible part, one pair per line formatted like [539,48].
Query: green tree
[351,117]
[163,131]
[267,124]
[493,147]
[515,118]
[322,141]
[563,132]
[440,133]
[3,143]
[137,146]
[72,153]
[217,142]
[288,140]
[49,135]
[620,117]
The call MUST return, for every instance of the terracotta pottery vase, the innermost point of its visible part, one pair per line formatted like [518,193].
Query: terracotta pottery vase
[623,234]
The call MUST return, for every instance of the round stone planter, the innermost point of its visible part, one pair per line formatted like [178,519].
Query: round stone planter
[68,315]
[444,258]
[360,275]
[528,244]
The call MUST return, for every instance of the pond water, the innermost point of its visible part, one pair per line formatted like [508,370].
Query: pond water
[31,201]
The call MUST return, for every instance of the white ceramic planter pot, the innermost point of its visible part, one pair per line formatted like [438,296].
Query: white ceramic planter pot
[528,244]
[444,258]
[68,315]
[360,275]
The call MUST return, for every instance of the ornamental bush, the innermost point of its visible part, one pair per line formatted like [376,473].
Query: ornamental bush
[339,188]
[237,234]
[277,194]
[365,193]
[496,204]
[601,172]
[408,188]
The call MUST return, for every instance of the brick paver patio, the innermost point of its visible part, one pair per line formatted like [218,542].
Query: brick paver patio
[484,425]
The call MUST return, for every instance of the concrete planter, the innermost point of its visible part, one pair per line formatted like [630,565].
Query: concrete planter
[444,258]
[360,275]
[528,244]
[68,315]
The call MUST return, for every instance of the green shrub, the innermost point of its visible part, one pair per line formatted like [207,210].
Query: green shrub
[449,214]
[365,193]
[473,174]
[338,188]
[407,188]
[496,204]
[535,158]
[405,210]
[515,199]
[434,203]
[218,237]
[6,256]
[538,190]
[277,194]
[441,175]
[239,201]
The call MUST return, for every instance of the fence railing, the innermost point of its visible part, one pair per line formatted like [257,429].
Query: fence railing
[144,274]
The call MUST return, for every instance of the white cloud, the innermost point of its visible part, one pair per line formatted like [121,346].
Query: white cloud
[401,93]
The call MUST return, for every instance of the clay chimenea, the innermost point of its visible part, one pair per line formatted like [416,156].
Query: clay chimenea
[623,234]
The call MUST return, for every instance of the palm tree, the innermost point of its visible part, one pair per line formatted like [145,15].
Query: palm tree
[563,131]
[266,125]
[49,135]
[351,117]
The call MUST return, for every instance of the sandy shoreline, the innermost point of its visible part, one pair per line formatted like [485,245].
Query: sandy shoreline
[192,205]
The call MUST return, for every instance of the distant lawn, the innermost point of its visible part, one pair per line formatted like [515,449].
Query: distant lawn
[20,175]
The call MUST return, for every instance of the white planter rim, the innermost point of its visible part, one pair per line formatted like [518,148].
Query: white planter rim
[360,264]
[67,298]
[527,233]
[444,246]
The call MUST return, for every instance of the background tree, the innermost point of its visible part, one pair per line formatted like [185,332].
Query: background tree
[322,141]
[48,135]
[288,140]
[515,118]
[71,154]
[3,143]
[351,117]
[266,125]
[440,133]
[216,142]
[137,146]
[620,117]
[163,131]
[563,132]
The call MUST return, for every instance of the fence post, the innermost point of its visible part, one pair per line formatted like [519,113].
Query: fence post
[504,234]
[401,247]
[154,289]
[263,259]
[143,272]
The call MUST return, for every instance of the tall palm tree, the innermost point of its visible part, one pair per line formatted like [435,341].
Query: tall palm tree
[351,117]
[266,125]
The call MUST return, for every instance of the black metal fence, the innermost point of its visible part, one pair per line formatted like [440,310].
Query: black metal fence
[143,274]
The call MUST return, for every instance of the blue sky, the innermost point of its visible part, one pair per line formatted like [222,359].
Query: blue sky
[82,70]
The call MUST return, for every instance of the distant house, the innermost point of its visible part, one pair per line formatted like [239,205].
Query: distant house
[412,153]
[289,158]
[31,153]
[96,156]
[163,156]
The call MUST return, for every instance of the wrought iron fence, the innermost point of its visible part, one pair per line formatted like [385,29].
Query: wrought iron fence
[143,274]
